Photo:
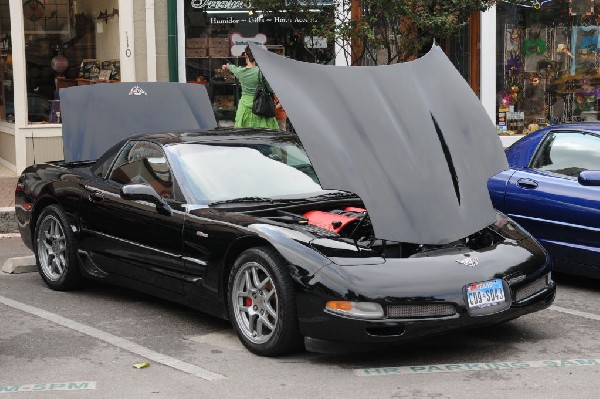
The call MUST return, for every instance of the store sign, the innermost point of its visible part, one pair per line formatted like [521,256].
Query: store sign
[218,4]
[237,4]
[239,42]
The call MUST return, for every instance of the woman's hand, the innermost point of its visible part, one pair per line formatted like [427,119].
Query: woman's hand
[225,67]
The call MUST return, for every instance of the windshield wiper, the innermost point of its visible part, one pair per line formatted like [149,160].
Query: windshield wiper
[242,199]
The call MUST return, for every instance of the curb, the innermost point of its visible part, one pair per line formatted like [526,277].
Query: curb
[22,264]
[8,222]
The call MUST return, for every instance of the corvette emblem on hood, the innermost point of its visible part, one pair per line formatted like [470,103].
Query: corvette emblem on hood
[471,262]
[137,91]
[89,129]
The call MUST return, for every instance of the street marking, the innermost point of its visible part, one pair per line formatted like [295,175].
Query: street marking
[49,386]
[462,367]
[115,341]
[587,315]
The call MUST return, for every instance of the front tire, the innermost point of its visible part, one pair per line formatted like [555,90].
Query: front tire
[55,250]
[262,305]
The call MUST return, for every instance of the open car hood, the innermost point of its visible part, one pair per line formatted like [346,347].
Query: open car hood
[412,140]
[95,117]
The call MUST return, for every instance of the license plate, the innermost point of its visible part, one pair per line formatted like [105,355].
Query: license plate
[484,294]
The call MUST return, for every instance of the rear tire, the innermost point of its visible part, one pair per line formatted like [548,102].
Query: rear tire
[56,250]
[262,304]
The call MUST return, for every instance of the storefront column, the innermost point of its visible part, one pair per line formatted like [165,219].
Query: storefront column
[19,83]
[127,52]
[150,41]
[343,50]
[488,62]
[180,42]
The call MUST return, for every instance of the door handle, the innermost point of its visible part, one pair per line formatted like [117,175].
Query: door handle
[96,196]
[527,183]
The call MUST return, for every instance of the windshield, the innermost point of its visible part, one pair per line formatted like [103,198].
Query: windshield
[224,171]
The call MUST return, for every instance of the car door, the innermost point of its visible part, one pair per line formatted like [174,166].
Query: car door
[131,238]
[548,201]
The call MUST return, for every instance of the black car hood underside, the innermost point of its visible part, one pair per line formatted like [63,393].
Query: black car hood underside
[95,117]
[412,140]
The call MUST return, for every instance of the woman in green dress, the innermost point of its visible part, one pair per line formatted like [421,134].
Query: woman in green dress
[249,77]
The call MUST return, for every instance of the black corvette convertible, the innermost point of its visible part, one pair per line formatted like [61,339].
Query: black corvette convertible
[235,223]
[243,225]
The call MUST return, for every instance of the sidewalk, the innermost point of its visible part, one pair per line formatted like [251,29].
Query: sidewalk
[8,181]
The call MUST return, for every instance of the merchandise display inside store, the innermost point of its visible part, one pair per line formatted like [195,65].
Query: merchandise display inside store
[550,64]
[217,33]
[67,43]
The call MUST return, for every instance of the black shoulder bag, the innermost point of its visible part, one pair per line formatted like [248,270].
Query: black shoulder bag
[263,104]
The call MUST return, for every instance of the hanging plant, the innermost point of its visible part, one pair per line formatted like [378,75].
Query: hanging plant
[533,46]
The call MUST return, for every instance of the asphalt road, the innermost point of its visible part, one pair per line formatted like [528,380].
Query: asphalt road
[84,344]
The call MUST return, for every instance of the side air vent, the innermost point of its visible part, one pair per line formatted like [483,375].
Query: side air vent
[535,287]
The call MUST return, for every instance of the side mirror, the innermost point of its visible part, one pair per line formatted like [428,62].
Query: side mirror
[143,192]
[589,178]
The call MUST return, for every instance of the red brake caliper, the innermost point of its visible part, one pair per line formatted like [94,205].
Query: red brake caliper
[247,301]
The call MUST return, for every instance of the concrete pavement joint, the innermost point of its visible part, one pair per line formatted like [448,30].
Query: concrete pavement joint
[223,339]
[587,315]
[115,341]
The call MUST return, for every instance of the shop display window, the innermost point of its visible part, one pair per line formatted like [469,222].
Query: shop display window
[215,36]
[67,43]
[6,71]
[548,64]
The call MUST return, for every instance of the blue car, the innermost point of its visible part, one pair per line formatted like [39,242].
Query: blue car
[552,189]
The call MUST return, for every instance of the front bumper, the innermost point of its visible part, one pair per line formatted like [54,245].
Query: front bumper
[331,333]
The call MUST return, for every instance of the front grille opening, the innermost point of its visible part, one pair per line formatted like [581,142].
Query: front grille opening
[387,331]
[420,310]
[529,290]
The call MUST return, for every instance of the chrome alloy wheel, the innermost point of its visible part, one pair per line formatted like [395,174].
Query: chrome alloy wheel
[254,298]
[52,248]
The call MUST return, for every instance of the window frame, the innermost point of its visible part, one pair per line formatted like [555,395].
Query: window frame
[177,194]
[547,138]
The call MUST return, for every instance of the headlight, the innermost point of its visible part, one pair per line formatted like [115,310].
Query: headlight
[362,310]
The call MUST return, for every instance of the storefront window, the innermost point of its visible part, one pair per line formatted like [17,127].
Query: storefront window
[216,35]
[6,75]
[457,48]
[548,60]
[67,43]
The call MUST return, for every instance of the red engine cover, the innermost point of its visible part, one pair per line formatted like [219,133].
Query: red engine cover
[355,209]
[329,221]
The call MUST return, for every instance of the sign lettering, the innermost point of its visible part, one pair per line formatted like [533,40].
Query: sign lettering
[471,367]
[50,386]
[218,4]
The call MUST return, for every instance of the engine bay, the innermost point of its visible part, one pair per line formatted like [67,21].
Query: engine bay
[351,223]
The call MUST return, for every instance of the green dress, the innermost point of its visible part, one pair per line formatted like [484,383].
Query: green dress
[244,117]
